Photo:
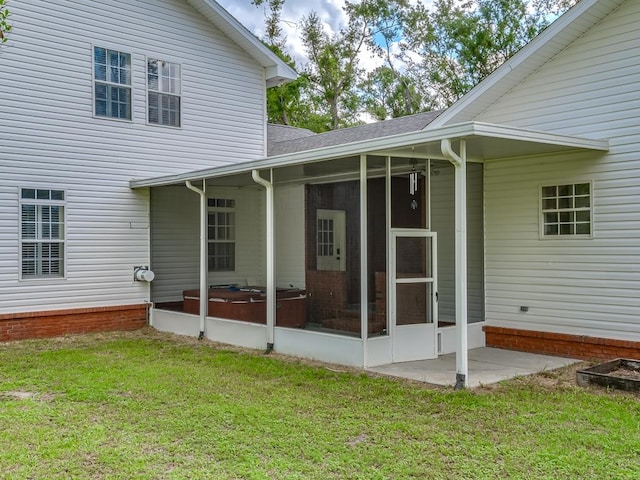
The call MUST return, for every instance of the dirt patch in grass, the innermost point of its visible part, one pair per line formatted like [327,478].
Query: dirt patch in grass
[22,395]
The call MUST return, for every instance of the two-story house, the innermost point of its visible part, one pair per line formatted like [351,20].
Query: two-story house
[511,219]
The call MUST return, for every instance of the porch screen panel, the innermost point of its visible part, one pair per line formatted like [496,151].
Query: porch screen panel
[409,183]
[377,246]
[333,259]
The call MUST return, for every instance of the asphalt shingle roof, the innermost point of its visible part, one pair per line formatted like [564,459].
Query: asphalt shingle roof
[283,139]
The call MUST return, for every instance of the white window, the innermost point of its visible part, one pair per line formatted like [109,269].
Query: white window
[163,84]
[41,233]
[566,210]
[222,234]
[330,240]
[112,83]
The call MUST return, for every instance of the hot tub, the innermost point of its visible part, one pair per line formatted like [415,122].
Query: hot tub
[249,304]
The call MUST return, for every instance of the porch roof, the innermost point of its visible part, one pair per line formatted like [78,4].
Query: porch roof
[484,142]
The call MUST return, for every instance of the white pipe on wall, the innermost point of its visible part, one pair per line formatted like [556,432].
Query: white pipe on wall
[271,274]
[460,164]
[204,287]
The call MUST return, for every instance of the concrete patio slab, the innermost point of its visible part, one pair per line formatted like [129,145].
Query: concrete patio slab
[486,366]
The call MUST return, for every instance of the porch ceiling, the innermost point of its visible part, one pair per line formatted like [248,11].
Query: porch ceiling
[484,142]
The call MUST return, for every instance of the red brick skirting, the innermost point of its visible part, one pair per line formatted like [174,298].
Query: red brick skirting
[560,344]
[55,323]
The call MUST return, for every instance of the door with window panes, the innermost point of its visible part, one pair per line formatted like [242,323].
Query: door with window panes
[413,285]
[331,240]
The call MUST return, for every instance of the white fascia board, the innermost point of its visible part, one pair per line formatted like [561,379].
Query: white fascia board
[524,55]
[481,129]
[276,70]
[377,145]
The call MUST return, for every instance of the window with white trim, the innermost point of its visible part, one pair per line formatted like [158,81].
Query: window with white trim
[163,85]
[112,83]
[41,233]
[566,210]
[222,234]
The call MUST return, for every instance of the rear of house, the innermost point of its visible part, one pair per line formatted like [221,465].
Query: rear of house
[510,220]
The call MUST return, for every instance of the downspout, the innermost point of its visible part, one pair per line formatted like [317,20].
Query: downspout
[204,288]
[271,277]
[460,164]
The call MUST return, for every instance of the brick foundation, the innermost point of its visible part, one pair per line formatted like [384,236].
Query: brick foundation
[55,323]
[560,344]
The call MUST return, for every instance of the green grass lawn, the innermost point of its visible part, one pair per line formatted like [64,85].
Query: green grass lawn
[148,405]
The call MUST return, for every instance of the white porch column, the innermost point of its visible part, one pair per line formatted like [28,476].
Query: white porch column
[460,164]
[204,287]
[364,292]
[271,252]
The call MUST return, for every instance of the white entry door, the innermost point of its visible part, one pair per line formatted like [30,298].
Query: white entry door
[413,292]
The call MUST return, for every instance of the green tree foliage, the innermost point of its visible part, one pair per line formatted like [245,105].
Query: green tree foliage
[273,18]
[460,42]
[390,93]
[428,57]
[288,104]
[389,90]
[333,69]
[340,83]
[5,27]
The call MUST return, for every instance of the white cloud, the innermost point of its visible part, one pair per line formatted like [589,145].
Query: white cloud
[330,12]
[252,17]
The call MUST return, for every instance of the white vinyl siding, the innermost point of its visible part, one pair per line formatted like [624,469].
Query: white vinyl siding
[290,235]
[578,286]
[51,140]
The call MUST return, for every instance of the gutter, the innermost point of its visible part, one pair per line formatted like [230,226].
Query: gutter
[271,278]
[460,164]
[204,288]
[382,144]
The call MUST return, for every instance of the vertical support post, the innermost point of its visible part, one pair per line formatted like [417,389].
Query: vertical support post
[391,249]
[364,287]
[271,275]
[204,287]
[460,164]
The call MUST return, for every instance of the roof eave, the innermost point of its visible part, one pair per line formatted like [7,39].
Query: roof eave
[276,70]
[382,144]
[536,46]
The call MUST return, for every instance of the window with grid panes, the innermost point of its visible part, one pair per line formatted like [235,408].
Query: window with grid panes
[41,233]
[112,83]
[221,234]
[325,237]
[163,84]
[566,210]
